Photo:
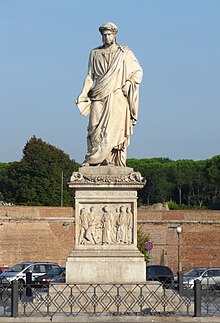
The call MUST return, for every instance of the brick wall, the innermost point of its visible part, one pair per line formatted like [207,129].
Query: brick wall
[35,234]
[199,240]
[47,234]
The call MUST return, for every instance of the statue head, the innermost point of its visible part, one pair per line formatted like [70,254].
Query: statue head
[83,211]
[122,208]
[108,26]
[105,208]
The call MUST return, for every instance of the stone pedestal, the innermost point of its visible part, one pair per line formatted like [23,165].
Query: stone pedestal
[106,226]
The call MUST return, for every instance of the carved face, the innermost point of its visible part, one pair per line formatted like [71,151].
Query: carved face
[105,208]
[108,37]
[122,208]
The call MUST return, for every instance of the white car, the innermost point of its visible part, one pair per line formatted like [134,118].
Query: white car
[18,271]
[209,277]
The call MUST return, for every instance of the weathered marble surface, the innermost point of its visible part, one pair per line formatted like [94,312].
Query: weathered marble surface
[106,226]
[110,96]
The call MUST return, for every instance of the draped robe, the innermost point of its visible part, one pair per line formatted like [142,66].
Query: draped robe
[111,113]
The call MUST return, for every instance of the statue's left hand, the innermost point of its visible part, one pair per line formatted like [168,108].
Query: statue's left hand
[126,88]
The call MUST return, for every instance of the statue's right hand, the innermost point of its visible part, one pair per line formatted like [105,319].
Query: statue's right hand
[82,99]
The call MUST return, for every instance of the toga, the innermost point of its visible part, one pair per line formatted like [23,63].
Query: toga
[112,115]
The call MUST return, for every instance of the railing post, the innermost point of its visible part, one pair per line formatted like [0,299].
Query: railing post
[14,298]
[197,298]
[180,282]
[28,284]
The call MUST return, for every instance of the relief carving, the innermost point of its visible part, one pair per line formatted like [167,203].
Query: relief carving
[106,225]
[122,226]
[134,177]
[104,194]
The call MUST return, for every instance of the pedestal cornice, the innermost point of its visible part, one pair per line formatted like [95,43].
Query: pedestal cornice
[106,177]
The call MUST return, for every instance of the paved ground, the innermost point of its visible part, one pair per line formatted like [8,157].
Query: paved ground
[110,319]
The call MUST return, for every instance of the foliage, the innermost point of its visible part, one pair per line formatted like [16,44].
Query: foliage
[142,238]
[36,179]
[188,184]
[174,206]
[214,206]
[3,178]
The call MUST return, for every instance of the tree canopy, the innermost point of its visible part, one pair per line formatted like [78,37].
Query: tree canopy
[184,182]
[37,179]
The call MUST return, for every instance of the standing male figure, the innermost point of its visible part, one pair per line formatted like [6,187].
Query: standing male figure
[110,94]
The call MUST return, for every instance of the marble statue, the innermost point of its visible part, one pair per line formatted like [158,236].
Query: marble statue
[110,96]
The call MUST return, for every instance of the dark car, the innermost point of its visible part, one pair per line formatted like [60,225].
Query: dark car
[160,273]
[61,278]
[45,280]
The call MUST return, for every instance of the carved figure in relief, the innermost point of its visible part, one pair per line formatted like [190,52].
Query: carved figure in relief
[129,223]
[91,231]
[108,233]
[110,95]
[123,226]
[117,224]
[84,225]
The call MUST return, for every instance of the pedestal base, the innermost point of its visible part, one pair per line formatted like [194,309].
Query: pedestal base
[106,227]
[105,267]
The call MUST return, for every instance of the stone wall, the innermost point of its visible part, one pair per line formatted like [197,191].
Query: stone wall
[35,234]
[199,240]
[47,234]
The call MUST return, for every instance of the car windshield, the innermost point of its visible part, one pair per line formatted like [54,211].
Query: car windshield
[194,273]
[55,271]
[158,271]
[17,268]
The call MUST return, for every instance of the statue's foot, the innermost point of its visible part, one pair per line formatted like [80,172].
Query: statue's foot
[107,163]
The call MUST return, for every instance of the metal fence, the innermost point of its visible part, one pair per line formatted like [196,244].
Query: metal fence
[150,298]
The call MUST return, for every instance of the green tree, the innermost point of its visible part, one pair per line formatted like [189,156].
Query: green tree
[158,186]
[200,184]
[213,174]
[181,176]
[142,238]
[3,179]
[36,179]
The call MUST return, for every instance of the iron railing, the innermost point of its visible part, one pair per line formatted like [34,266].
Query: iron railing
[151,298]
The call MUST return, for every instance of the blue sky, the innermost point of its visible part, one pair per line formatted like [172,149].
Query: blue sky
[45,46]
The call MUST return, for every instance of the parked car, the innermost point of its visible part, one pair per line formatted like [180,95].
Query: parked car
[61,278]
[3,268]
[18,271]
[53,275]
[209,277]
[159,273]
